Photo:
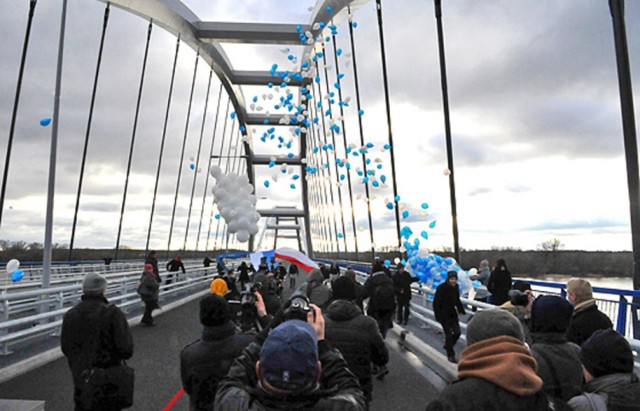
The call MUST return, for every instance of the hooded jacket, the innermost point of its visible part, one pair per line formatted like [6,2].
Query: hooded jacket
[338,389]
[609,393]
[204,362]
[559,364]
[447,304]
[315,289]
[494,375]
[358,339]
[376,304]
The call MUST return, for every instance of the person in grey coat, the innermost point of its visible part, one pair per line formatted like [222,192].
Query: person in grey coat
[149,291]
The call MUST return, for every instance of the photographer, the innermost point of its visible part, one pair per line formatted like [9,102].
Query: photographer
[249,312]
[292,367]
[519,304]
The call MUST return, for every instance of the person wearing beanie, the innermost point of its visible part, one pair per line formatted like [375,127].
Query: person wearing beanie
[586,316]
[315,288]
[496,370]
[149,291]
[610,382]
[219,287]
[290,367]
[94,319]
[402,281]
[355,335]
[446,307]
[558,360]
[349,273]
[204,362]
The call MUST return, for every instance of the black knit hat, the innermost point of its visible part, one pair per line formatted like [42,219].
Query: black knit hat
[214,310]
[344,288]
[606,352]
[452,274]
[550,313]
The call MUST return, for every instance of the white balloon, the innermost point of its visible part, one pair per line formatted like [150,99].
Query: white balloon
[216,171]
[243,236]
[253,229]
[396,260]
[12,265]
[473,271]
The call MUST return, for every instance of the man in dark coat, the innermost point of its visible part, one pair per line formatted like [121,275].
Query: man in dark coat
[558,360]
[499,283]
[586,316]
[149,291]
[174,266]
[496,371]
[295,368]
[206,361]
[610,383]
[354,334]
[381,293]
[446,307]
[402,281]
[94,326]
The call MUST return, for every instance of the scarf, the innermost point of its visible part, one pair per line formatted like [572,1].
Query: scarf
[504,361]
[581,306]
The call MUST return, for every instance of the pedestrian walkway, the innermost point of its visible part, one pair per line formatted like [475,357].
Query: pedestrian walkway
[157,364]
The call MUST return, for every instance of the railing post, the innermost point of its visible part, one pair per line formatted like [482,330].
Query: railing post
[636,321]
[622,316]
[59,306]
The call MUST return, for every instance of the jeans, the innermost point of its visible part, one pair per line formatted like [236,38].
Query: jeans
[451,335]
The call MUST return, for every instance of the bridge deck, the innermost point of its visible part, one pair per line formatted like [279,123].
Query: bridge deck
[157,365]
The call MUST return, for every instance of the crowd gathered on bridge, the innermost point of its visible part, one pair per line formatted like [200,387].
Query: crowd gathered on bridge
[321,347]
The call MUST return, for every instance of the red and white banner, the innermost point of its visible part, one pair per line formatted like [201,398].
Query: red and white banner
[296,257]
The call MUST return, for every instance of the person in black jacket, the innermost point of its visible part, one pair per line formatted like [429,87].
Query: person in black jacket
[153,260]
[354,334]
[93,326]
[499,283]
[381,293]
[204,362]
[244,278]
[586,317]
[402,281]
[149,291]
[295,368]
[174,266]
[446,307]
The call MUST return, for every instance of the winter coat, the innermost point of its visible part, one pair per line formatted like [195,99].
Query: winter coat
[154,263]
[496,374]
[379,304]
[206,361]
[559,364]
[80,333]
[358,339]
[447,304]
[316,290]
[402,282]
[483,276]
[499,286]
[585,321]
[175,265]
[609,393]
[338,391]
[149,289]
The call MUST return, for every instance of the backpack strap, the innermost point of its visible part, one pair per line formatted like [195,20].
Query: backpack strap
[557,390]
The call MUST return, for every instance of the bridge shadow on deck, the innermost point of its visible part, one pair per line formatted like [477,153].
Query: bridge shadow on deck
[157,364]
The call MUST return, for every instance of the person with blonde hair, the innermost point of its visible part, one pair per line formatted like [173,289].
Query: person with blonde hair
[586,317]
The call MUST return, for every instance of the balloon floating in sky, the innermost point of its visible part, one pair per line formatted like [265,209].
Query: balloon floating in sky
[432,224]
[340,235]
[266,183]
[45,121]
[192,166]
[425,235]
[446,172]
[425,206]
[17,275]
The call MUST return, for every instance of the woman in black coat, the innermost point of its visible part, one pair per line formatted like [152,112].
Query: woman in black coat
[499,283]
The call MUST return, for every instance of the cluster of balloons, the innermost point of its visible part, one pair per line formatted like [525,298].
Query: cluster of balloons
[432,269]
[14,271]
[234,197]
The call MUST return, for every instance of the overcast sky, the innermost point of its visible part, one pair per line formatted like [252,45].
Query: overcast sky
[535,116]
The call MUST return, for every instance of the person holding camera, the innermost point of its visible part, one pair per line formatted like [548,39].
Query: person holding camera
[520,300]
[356,335]
[291,367]
[204,362]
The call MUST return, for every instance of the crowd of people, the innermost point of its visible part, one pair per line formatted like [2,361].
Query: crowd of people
[321,347]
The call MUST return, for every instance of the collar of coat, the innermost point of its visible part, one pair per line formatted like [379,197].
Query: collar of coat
[504,361]
[581,306]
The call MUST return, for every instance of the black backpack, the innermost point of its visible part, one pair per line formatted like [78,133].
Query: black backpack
[384,297]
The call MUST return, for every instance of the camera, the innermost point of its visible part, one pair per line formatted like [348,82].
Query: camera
[298,307]
[518,298]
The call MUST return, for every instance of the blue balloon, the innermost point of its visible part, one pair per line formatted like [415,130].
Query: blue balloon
[340,235]
[217,216]
[390,206]
[405,214]
[425,206]
[17,275]
[425,235]
[387,263]
[266,183]
[397,198]
[45,121]
[432,224]
[192,166]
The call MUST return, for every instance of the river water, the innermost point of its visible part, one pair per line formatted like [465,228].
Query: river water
[624,283]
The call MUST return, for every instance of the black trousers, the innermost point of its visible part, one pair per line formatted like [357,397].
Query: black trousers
[451,336]
[402,313]
[149,305]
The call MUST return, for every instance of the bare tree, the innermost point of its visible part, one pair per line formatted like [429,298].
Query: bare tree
[552,245]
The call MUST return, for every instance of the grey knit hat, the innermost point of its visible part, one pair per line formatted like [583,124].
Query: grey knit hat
[94,284]
[493,323]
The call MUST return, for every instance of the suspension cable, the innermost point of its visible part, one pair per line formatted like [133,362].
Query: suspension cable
[88,132]
[133,136]
[197,163]
[206,183]
[184,143]
[162,143]
[390,129]
[16,102]
[361,130]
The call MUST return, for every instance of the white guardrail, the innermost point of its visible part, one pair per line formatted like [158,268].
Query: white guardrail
[28,312]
